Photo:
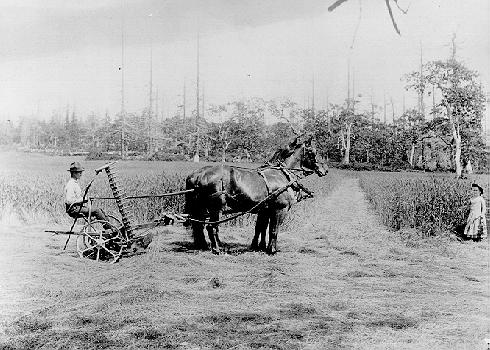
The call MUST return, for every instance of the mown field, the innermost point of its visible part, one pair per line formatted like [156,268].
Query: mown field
[343,279]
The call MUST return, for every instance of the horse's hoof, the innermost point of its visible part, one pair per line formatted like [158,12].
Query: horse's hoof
[254,248]
[271,251]
[215,251]
[201,246]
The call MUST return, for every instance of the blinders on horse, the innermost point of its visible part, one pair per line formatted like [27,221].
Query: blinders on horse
[310,161]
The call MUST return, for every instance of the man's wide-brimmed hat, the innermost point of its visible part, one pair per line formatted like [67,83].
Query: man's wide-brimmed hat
[75,166]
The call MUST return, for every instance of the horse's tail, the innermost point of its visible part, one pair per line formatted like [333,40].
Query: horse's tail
[193,209]
[190,198]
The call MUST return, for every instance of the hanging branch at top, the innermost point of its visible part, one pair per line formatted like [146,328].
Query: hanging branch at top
[402,10]
[391,16]
[337,3]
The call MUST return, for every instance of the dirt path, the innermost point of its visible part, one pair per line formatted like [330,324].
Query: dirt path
[426,293]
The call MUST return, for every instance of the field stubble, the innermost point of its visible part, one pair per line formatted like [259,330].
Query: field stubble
[339,281]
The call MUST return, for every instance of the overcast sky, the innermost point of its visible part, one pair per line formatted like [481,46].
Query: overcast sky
[55,53]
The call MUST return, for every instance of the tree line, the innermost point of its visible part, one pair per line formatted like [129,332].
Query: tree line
[448,137]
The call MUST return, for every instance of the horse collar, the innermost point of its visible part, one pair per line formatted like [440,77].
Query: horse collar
[267,185]
[289,175]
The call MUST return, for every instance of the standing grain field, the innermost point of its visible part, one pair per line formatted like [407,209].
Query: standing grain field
[433,204]
[31,189]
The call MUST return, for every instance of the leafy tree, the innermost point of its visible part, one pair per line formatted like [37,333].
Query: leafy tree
[247,127]
[411,127]
[219,133]
[346,122]
[362,139]
[461,106]
[317,124]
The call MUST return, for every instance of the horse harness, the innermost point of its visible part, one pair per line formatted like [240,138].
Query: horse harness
[290,176]
[292,182]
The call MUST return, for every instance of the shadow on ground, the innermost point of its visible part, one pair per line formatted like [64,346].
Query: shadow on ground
[226,248]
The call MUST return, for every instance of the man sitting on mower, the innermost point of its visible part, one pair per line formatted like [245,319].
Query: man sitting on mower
[75,203]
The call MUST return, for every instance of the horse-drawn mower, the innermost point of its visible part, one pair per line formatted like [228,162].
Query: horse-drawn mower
[109,240]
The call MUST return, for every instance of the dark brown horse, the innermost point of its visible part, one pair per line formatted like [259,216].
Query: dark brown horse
[228,189]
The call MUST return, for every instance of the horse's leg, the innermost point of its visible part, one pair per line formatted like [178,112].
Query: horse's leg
[276,219]
[216,234]
[198,235]
[263,245]
[213,232]
[260,228]
[197,213]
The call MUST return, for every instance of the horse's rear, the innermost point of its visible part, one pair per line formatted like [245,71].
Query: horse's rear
[205,201]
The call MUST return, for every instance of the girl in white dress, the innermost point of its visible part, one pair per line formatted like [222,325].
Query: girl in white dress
[476,224]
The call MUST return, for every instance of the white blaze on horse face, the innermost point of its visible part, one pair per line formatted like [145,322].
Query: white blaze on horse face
[292,194]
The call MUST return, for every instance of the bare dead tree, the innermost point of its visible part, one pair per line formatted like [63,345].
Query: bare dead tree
[337,3]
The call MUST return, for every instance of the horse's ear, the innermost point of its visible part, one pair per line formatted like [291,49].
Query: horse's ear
[313,143]
[309,140]
[294,143]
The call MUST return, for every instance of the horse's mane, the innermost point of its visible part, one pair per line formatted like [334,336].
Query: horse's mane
[283,153]
[280,155]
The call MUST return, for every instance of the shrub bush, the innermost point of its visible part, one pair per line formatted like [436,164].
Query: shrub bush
[101,155]
[167,157]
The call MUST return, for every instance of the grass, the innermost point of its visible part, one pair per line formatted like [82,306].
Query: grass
[339,281]
[431,204]
[33,189]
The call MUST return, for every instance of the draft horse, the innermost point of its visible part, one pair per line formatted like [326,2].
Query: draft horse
[272,188]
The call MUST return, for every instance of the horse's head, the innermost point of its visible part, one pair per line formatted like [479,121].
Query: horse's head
[311,160]
[304,155]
